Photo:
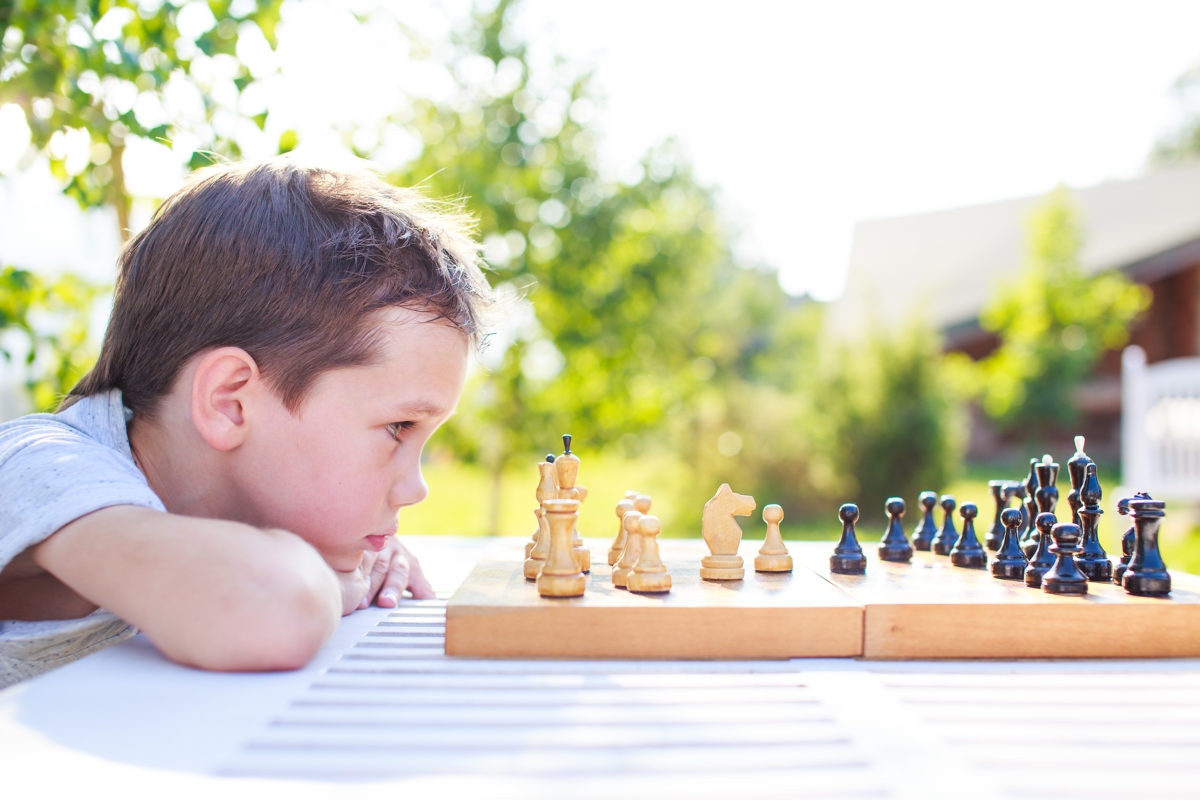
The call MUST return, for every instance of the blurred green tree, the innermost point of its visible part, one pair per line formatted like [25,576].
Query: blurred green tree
[51,315]
[91,79]
[889,422]
[631,323]
[1054,323]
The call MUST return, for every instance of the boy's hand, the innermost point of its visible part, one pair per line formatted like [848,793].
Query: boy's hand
[382,577]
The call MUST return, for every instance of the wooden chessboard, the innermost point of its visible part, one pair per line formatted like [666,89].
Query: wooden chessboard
[926,609]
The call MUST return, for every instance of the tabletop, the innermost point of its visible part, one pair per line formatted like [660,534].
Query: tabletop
[382,707]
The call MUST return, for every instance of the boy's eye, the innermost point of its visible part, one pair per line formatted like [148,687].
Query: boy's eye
[397,429]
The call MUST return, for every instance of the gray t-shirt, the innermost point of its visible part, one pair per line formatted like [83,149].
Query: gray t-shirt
[54,469]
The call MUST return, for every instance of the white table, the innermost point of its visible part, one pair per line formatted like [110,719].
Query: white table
[381,709]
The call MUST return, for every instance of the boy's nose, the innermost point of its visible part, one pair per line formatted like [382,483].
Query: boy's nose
[408,488]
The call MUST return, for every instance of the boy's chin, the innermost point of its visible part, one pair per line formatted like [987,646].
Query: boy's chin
[345,560]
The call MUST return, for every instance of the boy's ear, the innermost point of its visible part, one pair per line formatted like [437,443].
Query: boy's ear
[220,383]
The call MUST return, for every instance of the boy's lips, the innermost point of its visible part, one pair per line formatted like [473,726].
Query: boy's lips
[378,541]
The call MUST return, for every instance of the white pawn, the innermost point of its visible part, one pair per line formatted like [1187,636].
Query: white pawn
[618,545]
[649,573]
[773,556]
[633,549]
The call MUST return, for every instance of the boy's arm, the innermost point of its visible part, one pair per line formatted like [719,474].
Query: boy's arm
[209,593]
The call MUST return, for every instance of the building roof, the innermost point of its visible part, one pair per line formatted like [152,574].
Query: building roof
[945,265]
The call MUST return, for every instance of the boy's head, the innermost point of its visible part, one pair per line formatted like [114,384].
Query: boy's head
[287,262]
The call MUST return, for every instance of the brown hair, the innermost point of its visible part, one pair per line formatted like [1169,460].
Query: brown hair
[286,262]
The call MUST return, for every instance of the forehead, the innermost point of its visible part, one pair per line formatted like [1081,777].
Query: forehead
[418,360]
[402,334]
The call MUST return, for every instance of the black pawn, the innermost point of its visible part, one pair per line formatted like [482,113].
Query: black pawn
[1064,577]
[1129,538]
[944,542]
[1091,559]
[894,546]
[1016,491]
[922,537]
[1146,575]
[1041,561]
[967,551]
[1010,560]
[1000,496]
[848,558]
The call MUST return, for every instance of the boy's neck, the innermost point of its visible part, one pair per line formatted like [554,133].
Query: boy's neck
[178,465]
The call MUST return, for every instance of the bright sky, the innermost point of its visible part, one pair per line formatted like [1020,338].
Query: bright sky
[805,116]
[809,116]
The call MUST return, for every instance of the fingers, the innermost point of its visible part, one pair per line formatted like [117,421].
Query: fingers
[404,572]
[418,584]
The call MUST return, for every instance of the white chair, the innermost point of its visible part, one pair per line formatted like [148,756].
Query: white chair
[1160,426]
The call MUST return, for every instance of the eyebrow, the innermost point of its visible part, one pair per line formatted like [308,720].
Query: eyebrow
[419,408]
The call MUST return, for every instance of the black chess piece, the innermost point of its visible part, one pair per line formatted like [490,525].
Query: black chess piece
[1015,492]
[1127,542]
[1146,575]
[1129,538]
[1000,496]
[967,551]
[895,546]
[1031,509]
[1077,471]
[1046,498]
[1041,560]
[848,558]
[926,529]
[1047,482]
[943,543]
[1010,561]
[1064,577]
[1091,559]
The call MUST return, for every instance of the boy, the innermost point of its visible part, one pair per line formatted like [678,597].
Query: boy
[283,342]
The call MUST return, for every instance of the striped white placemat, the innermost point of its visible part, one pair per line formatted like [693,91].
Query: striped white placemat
[394,709]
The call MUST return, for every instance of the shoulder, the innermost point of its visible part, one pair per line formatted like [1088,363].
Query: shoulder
[98,419]
[54,468]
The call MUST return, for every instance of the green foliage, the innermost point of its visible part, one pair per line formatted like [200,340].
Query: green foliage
[49,318]
[747,417]
[91,78]
[888,422]
[106,71]
[1054,323]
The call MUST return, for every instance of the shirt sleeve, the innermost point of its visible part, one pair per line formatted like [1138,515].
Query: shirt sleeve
[52,474]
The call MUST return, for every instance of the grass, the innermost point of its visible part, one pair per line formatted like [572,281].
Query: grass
[462,502]
[464,499]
